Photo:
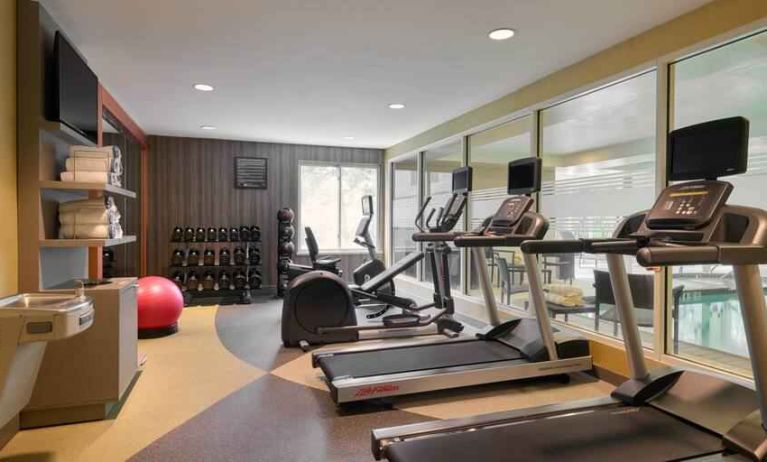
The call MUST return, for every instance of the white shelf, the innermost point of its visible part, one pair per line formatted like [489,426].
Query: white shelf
[76,186]
[74,243]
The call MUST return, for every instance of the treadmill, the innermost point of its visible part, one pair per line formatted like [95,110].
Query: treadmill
[660,415]
[517,349]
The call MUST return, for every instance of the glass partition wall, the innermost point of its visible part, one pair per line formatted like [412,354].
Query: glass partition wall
[404,207]
[490,152]
[706,324]
[438,166]
[598,167]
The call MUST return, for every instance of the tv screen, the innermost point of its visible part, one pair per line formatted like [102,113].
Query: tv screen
[76,90]
[462,180]
[524,176]
[708,150]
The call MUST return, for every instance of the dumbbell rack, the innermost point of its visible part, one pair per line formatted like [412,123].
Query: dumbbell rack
[219,296]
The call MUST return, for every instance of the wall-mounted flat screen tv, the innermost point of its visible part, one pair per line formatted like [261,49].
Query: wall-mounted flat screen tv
[75,88]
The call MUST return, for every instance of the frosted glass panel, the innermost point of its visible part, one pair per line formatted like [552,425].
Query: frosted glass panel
[598,167]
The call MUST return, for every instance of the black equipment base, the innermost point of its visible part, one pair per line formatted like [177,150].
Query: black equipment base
[605,434]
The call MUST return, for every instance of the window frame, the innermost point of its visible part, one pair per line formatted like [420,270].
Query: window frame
[377,217]
[661,64]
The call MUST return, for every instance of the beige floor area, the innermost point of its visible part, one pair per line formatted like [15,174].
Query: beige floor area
[183,375]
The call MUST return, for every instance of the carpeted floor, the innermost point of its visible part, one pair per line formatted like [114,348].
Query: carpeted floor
[224,389]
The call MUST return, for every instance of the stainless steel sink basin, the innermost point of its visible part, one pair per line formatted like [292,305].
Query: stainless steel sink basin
[40,301]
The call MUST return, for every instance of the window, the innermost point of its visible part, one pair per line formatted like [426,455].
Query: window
[404,207]
[724,82]
[438,166]
[599,166]
[489,154]
[331,203]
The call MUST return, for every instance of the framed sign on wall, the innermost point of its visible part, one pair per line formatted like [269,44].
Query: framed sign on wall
[250,172]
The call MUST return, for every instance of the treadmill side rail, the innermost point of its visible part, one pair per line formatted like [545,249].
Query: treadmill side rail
[382,437]
[348,390]
[748,437]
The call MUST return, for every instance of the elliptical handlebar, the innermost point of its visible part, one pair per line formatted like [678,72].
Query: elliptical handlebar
[419,222]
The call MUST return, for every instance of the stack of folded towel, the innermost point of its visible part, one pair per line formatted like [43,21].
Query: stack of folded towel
[89,219]
[563,294]
[94,165]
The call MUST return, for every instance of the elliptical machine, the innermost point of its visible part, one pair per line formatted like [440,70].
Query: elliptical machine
[320,307]
[372,267]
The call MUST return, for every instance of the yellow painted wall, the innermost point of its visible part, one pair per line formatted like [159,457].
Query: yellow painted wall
[9,245]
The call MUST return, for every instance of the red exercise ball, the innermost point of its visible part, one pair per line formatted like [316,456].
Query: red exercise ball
[160,303]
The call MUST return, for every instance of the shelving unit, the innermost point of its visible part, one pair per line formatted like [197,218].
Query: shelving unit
[44,260]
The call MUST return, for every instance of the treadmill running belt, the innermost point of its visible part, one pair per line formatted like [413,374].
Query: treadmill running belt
[615,434]
[415,358]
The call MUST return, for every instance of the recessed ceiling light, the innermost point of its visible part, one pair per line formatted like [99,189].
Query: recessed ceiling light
[501,34]
[396,106]
[348,138]
[203,87]
[207,127]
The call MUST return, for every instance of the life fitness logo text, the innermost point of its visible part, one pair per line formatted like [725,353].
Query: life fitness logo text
[375,390]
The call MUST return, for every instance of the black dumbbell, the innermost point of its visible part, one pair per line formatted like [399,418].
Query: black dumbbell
[192,281]
[177,259]
[254,279]
[189,234]
[208,281]
[199,235]
[234,235]
[244,234]
[209,257]
[240,280]
[108,255]
[178,278]
[193,258]
[223,234]
[177,235]
[255,234]
[239,256]
[224,281]
[224,257]
[254,256]
[212,235]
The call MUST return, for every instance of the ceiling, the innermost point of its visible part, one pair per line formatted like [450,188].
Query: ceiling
[314,72]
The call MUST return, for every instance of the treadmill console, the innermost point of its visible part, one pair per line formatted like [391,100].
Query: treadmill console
[690,205]
[509,214]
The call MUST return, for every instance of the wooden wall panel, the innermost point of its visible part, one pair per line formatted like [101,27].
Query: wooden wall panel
[191,183]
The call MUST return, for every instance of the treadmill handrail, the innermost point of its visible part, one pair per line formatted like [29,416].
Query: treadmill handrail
[483,240]
[563,246]
[723,253]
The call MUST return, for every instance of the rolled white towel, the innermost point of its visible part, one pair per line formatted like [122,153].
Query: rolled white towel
[564,290]
[88,164]
[103,202]
[564,300]
[86,177]
[88,216]
[84,231]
